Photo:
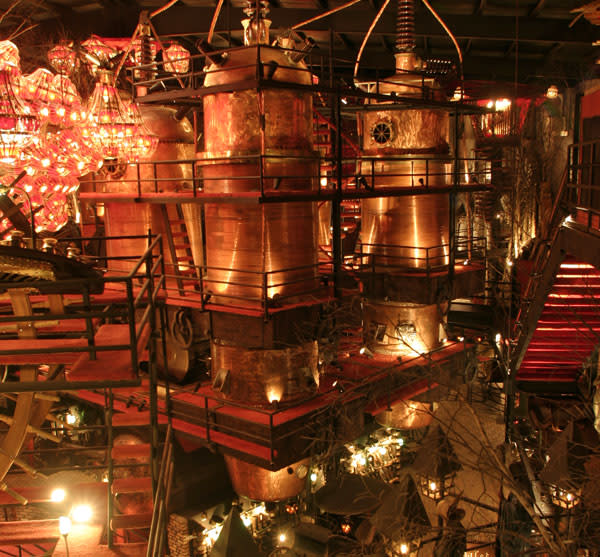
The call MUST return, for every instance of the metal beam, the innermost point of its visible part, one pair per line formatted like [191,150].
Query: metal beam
[479,7]
[535,11]
[53,386]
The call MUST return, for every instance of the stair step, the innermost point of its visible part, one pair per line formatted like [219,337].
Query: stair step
[140,450]
[131,485]
[131,521]
[181,246]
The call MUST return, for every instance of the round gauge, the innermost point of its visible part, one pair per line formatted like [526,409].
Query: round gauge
[382,133]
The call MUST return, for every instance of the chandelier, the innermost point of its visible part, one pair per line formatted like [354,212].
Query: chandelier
[17,124]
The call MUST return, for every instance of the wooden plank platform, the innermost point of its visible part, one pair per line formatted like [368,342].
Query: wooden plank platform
[139,521]
[28,532]
[131,485]
[111,364]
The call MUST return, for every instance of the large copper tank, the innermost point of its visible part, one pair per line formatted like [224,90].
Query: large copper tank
[262,377]
[402,328]
[243,241]
[408,230]
[260,484]
[404,149]
[176,143]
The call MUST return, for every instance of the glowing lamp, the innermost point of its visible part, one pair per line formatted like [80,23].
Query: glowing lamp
[62,58]
[17,125]
[177,59]
[552,92]
[39,91]
[436,465]
[58,495]
[99,52]
[82,513]
[107,126]
[9,58]
[564,498]
[64,525]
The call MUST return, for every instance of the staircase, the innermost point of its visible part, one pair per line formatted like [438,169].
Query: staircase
[180,261]
[567,331]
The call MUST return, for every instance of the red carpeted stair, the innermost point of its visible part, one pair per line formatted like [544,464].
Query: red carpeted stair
[568,329]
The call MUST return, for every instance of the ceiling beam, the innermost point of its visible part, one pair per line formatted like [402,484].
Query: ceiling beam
[346,41]
[535,11]
[479,7]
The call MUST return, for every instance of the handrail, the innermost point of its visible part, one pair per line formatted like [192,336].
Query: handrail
[161,499]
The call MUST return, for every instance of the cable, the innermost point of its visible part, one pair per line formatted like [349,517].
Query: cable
[325,14]
[452,38]
[164,8]
[213,23]
[364,43]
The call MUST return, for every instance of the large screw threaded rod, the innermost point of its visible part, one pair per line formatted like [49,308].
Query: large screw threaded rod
[405,26]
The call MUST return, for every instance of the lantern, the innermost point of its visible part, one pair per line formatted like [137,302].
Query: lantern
[436,465]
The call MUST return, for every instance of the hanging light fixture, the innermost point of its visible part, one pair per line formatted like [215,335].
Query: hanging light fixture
[436,465]
[62,58]
[17,125]
[67,109]
[143,142]
[177,59]
[107,125]
[9,57]
[39,92]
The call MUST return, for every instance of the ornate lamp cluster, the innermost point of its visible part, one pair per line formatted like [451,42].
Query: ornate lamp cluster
[50,133]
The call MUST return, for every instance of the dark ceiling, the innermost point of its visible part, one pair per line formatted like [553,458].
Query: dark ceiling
[500,39]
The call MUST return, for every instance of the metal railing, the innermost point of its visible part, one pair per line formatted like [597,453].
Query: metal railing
[152,180]
[140,290]
[265,291]
[158,527]
[393,258]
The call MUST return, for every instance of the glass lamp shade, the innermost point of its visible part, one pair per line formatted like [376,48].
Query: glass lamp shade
[177,59]
[99,50]
[435,488]
[143,143]
[107,126]
[62,58]
[68,109]
[9,58]
[18,126]
[39,92]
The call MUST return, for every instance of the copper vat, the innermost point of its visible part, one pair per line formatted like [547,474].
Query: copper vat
[176,143]
[259,484]
[255,252]
[401,328]
[407,231]
[406,414]
[263,377]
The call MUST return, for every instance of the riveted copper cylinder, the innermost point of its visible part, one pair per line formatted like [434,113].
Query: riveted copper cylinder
[259,484]
[176,143]
[402,329]
[406,414]
[406,230]
[256,251]
[262,377]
